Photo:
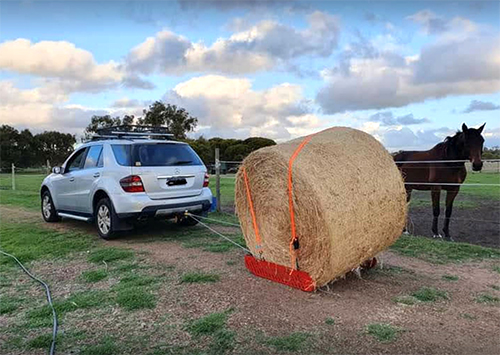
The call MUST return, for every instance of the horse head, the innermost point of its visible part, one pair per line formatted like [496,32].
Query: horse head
[473,145]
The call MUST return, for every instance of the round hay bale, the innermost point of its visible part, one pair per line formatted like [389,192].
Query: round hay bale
[349,201]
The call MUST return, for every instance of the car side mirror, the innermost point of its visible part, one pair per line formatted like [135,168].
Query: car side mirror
[56,170]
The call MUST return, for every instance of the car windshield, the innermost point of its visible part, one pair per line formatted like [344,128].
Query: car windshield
[158,154]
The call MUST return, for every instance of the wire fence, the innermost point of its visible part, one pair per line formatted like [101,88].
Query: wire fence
[477,210]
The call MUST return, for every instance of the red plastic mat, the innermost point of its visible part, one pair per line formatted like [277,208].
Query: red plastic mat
[279,273]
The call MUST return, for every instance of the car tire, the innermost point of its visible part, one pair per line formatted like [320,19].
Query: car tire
[105,219]
[49,212]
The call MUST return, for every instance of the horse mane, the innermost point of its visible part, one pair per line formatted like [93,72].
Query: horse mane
[451,145]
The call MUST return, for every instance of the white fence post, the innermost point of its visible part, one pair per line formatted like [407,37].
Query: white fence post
[217,178]
[13,176]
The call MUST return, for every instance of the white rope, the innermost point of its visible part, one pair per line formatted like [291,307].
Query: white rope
[219,234]
[216,220]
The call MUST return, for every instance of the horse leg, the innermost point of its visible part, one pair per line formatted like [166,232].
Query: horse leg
[450,197]
[436,194]
[408,198]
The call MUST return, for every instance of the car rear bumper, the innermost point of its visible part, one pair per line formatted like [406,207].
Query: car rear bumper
[141,206]
[170,210]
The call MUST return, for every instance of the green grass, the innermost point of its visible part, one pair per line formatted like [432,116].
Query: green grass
[94,275]
[135,280]
[489,192]
[496,268]
[226,189]
[27,193]
[222,341]
[495,287]
[109,254]
[408,300]
[450,277]
[106,347]
[134,298]
[430,294]
[42,316]
[384,333]
[487,298]
[42,341]
[28,242]
[8,305]
[293,342]
[330,321]
[199,277]
[440,252]
[209,324]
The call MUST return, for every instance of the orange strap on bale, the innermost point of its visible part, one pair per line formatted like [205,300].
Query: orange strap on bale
[294,239]
[252,212]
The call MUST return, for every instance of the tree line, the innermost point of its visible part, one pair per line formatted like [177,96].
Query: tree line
[25,149]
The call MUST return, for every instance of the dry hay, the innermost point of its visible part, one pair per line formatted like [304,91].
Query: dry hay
[349,201]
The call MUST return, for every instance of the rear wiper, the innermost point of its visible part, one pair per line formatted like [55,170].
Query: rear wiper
[182,162]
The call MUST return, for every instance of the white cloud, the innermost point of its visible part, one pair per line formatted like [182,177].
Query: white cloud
[230,107]
[75,67]
[367,78]
[260,47]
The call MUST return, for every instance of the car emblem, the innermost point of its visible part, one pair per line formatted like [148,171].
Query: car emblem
[177,171]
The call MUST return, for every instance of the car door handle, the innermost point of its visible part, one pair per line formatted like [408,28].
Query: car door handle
[72,179]
[97,175]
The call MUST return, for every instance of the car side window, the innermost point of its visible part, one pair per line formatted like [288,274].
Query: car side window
[75,163]
[93,156]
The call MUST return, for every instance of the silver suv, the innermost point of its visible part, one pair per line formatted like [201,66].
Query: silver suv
[123,176]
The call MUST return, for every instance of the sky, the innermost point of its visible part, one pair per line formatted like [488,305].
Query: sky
[408,72]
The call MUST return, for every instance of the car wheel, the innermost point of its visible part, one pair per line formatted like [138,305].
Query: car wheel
[49,212]
[105,219]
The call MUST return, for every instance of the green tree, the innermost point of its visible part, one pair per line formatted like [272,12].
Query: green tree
[255,143]
[177,120]
[97,122]
[23,149]
[53,146]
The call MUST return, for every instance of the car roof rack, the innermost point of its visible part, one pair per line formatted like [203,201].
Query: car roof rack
[132,132]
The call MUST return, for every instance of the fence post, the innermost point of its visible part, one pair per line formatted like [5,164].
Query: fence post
[217,178]
[48,167]
[13,176]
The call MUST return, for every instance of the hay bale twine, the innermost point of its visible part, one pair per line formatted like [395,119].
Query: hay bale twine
[349,201]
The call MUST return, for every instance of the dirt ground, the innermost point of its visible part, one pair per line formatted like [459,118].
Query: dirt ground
[459,325]
[476,224]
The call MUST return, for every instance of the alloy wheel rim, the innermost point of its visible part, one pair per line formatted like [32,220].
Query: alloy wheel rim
[104,219]
[46,207]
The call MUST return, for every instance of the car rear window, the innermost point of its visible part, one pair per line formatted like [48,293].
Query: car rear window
[155,154]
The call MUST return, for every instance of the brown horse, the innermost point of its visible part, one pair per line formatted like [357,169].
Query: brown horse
[436,176]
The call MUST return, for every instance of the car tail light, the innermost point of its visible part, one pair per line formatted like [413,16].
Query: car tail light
[206,181]
[132,183]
